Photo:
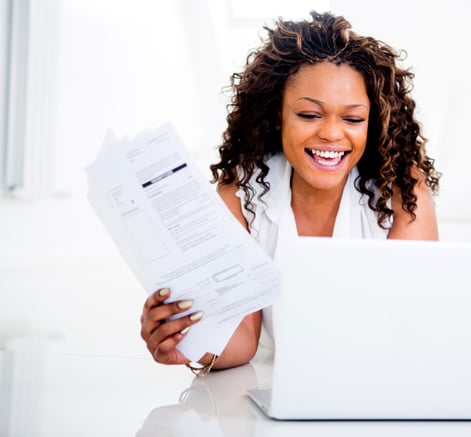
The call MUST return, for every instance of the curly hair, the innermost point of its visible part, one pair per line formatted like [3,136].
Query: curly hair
[395,144]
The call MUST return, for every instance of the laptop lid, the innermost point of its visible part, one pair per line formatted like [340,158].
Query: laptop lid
[372,329]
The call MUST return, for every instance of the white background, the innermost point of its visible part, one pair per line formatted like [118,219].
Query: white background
[126,65]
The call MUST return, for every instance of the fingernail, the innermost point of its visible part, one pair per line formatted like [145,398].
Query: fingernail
[184,330]
[184,304]
[196,316]
[164,292]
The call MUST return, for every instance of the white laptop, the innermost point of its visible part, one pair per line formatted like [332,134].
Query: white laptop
[372,330]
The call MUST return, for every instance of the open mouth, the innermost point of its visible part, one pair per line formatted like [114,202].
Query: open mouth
[327,158]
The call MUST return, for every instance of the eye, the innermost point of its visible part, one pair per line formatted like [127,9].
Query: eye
[354,120]
[308,116]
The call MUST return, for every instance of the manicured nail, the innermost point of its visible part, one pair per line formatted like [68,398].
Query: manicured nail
[196,316]
[184,304]
[164,292]
[184,330]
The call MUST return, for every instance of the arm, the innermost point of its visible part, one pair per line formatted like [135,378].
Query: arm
[243,344]
[425,226]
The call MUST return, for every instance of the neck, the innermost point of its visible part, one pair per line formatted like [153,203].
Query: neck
[315,211]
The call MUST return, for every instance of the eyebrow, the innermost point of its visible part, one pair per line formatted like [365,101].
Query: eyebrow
[321,103]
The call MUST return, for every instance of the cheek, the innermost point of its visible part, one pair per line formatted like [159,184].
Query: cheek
[360,139]
[286,140]
[294,135]
[289,143]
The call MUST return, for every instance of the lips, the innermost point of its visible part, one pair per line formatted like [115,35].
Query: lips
[327,158]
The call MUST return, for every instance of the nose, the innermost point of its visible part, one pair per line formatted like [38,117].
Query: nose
[330,129]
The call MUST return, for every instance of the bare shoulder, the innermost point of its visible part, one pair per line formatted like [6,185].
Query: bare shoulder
[425,226]
[227,192]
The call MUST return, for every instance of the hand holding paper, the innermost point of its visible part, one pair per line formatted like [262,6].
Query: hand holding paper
[174,231]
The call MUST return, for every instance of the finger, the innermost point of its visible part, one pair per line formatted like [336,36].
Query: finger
[156,299]
[176,326]
[169,310]
[175,330]
[155,317]
[152,319]
[167,353]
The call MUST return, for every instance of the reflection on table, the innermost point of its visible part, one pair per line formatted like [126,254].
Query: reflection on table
[215,405]
[45,392]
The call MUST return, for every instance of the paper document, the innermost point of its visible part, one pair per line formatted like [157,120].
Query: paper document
[173,230]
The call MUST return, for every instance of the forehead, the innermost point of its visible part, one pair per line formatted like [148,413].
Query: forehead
[327,80]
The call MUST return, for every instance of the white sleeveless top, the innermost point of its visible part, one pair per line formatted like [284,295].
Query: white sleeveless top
[274,219]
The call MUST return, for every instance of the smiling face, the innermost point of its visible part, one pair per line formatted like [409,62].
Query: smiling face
[324,125]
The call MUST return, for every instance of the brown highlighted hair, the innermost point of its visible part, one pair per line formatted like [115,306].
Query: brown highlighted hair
[395,144]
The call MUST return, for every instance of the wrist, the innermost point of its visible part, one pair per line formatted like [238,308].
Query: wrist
[200,370]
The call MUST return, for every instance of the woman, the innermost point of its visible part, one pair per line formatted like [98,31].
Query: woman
[322,140]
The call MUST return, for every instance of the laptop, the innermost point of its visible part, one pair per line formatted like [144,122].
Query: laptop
[371,330]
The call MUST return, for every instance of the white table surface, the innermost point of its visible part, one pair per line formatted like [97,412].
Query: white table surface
[46,392]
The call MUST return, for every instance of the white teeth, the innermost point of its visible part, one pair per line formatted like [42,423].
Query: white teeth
[327,153]
[329,158]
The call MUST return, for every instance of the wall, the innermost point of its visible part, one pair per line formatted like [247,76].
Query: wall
[3,68]
[434,38]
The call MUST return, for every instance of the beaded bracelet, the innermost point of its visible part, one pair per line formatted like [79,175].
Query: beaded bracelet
[204,370]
